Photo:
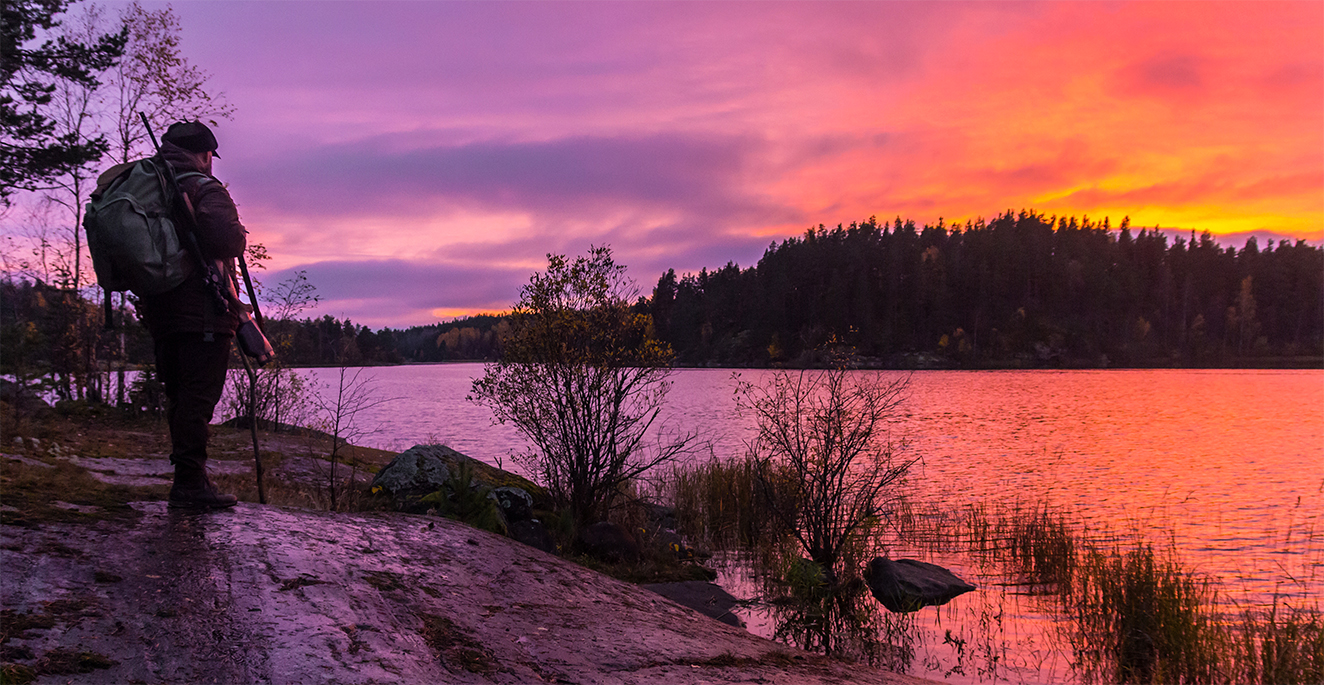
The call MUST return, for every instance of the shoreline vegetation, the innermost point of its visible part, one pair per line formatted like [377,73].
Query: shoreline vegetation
[1301,363]
[103,582]
[583,372]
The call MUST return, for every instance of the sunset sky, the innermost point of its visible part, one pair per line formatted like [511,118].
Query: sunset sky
[420,159]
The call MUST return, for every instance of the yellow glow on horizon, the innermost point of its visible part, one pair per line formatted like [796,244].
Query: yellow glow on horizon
[449,313]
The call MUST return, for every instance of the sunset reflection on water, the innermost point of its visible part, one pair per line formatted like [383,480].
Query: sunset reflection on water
[1226,467]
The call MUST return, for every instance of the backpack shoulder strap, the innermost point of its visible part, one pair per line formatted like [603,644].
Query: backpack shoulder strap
[190,174]
[179,178]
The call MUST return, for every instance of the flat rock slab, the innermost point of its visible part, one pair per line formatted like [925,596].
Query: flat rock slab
[704,597]
[148,472]
[158,470]
[267,595]
[159,466]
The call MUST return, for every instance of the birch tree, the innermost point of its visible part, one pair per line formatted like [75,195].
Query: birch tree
[156,79]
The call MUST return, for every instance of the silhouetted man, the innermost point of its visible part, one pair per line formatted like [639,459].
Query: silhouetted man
[191,333]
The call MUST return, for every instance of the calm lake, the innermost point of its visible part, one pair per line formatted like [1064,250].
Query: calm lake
[1226,466]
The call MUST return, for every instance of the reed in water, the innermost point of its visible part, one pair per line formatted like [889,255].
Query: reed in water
[1127,611]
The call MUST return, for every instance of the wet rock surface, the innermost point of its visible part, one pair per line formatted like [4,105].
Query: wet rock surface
[704,597]
[269,595]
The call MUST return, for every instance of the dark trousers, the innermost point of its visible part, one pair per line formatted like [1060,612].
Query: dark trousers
[193,372]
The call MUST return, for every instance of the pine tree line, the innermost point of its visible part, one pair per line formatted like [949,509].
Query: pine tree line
[1022,290]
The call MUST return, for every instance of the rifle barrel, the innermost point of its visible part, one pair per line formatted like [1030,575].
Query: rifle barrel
[148,126]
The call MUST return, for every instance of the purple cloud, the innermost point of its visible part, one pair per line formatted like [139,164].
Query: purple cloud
[395,292]
[402,293]
[477,137]
[565,176]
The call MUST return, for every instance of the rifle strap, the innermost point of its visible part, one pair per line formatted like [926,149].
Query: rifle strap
[252,293]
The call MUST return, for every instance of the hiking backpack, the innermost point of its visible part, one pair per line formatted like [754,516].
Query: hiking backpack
[131,230]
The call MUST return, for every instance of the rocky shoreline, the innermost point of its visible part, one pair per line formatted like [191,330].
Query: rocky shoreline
[101,583]
[263,594]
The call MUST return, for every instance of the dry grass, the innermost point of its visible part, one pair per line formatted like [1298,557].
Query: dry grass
[1139,617]
[97,431]
[721,504]
[1281,644]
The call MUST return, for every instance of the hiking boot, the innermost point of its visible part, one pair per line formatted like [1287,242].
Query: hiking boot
[196,491]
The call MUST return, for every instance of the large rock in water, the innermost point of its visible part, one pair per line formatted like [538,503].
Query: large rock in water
[904,585]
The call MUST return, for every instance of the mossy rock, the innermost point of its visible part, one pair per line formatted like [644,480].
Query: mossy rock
[423,469]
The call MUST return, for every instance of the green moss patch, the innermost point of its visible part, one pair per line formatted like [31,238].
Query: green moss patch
[384,581]
[15,625]
[301,581]
[18,626]
[36,491]
[25,625]
[16,674]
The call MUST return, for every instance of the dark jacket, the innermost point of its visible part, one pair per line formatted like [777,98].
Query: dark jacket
[221,237]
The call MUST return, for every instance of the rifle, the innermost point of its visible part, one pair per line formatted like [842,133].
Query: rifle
[252,342]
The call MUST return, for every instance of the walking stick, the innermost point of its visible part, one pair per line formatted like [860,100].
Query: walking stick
[252,386]
[257,345]
[252,377]
[252,426]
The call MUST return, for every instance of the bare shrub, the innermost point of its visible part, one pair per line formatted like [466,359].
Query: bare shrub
[823,435]
[341,409]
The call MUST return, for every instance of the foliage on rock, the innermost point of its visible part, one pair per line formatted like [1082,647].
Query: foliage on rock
[465,499]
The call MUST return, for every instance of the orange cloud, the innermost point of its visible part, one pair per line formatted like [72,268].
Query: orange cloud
[436,153]
[1209,114]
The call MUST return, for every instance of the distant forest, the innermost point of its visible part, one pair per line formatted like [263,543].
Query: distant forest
[1021,291]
